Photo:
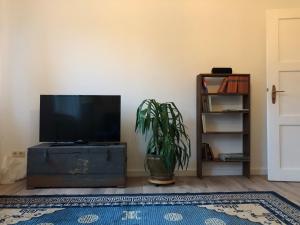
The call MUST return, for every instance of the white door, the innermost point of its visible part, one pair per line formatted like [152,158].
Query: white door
[283,74]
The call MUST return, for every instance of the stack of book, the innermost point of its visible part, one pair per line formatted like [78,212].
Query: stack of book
[233,157]
[206,100]
[206,104]
[234,85]
[207,153]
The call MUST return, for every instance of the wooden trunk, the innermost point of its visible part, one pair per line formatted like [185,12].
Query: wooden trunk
[95,165]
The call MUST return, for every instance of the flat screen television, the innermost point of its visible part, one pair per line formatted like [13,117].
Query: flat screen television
[80,118]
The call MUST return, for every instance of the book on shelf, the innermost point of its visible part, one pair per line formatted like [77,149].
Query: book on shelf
[207,153]
[205,104]
[223,85]
[205,98]
[243,85]
[232,86]
[233,157]
[209,104]
[204,86]
[203,123]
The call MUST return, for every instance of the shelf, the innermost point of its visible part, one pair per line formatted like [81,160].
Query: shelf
[222,75]
[232,161]
[225,132]
[224,94]
[226,111]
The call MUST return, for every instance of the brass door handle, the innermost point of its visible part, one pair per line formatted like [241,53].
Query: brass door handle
[274,92]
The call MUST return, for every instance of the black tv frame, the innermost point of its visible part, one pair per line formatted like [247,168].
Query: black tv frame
[90,141]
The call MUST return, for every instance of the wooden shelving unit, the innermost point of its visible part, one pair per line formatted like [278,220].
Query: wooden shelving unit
[244,134]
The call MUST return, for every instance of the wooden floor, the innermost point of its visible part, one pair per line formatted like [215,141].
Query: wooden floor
[290,190]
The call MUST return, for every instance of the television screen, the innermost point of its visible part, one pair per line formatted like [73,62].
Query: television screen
[71,118]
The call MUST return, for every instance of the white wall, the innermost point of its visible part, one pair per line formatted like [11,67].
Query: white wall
[139,49]
[2,52]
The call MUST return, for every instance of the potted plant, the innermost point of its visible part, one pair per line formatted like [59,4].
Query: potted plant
[168,143]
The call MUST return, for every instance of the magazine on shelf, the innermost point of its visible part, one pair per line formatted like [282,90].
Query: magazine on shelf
[233,157]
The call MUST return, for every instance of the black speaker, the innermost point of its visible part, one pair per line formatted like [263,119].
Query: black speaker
[222,70]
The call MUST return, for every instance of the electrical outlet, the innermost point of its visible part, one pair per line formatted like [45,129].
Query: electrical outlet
[18,154]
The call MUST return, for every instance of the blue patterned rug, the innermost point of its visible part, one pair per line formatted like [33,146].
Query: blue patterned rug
[150,209]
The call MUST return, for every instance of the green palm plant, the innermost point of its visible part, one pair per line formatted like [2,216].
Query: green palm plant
[163,127]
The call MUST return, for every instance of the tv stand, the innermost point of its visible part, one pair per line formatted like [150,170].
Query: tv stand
[58,144]
[77,165]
